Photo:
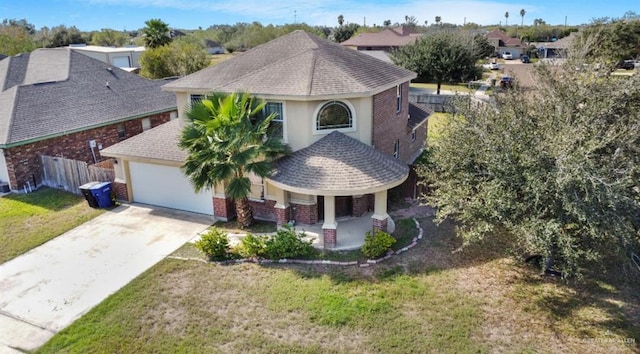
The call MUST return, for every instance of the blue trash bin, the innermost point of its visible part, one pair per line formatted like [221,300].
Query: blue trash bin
[102,193]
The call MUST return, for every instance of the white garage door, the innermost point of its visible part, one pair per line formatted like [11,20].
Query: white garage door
[166,186]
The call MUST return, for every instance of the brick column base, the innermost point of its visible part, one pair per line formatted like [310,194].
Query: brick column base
[120,189]
[223,209]
[283,214]
[330,238]
[379,224]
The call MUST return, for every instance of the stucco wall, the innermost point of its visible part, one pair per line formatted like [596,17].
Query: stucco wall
[23,162]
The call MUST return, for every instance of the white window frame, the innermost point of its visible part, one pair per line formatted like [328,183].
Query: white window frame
[316,112]
[257,184]
[146,124]
[396,148]
[195,97]
[398,98]
[282,119]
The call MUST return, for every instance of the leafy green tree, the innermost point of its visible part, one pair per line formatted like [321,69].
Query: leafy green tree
[443,56]
[612,40]
[559,171]
[110,38]
[156,33]
[225,141]
[15,39]
[182,57]
[62,36]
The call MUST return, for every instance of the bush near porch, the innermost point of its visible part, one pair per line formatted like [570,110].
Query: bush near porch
[29,220]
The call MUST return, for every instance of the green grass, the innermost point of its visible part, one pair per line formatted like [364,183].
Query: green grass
[461,87]
[436,125]
[257,227]
[29,220]
[434,298]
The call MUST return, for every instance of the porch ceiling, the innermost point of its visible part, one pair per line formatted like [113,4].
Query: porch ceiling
[338,165]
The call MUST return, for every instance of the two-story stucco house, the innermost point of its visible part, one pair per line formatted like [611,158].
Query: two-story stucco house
[345,115]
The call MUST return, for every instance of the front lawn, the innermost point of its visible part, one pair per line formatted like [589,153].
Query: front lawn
[29,220]
[461,88]
[433,298]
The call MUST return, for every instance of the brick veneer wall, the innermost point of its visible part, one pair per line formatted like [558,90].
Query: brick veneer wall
[223,208]
[23,162]
[389,125]
[120,190]
[264,210]
[363,204]
[305,214]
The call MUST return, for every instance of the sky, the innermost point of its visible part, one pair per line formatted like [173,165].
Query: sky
[89,15]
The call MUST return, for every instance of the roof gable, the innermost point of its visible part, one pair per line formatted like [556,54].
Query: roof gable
[297,64]
[505,41]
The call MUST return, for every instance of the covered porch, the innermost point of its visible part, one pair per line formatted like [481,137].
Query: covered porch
[334,170]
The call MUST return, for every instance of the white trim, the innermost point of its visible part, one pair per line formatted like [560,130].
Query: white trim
[314,119]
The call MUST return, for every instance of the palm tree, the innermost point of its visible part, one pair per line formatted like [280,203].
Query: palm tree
[156,34]
[340,20]
[522,13]
[506,19]
[438,18]
[226,141]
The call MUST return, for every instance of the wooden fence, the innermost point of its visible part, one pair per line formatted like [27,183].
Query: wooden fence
[61,173]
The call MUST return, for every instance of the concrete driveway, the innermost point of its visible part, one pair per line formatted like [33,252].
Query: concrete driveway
[46,289]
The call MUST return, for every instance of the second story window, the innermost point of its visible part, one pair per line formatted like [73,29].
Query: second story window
[398,98]
[334,115]
[276,128]
[196,98]
[396,149]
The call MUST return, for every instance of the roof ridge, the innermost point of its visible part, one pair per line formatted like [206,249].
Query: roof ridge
[5,135]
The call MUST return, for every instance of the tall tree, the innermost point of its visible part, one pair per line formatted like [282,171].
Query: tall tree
[15,38]
[62,36]
[181,57]
[522,13]
[110,38]
[226,141]
[559,172]
[506,18]
[340,20]
[438,19]
[156,33]
[439,57]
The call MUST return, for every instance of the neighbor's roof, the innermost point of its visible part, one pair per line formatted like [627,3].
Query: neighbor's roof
[389,37]
[506,40]
[50,92]
[298,64]
[562,43]
[338,164]
[159,143]
[102,49]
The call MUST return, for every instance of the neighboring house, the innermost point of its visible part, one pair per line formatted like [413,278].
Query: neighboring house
[2,56]
[503,43]
[126,58]
[381,44]
[345,115]
[56,102]
[213,47]
[555,49]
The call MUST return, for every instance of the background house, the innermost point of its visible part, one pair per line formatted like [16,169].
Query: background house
[344,114]
[555,49]
[503,43]
[382,43]
[213,47]
[126,58]
[61,103]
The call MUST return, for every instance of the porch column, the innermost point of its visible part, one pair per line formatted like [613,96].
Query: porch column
[329,228]
[380,215]
[282,207]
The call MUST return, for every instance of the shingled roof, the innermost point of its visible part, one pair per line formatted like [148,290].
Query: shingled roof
[159,143]
[49,92]
[338,164]
[298,64]
[389,37]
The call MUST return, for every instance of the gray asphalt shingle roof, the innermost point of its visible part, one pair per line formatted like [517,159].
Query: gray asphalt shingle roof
[54,91]
[160,143]
[297,64]
[338,162]
[418,113]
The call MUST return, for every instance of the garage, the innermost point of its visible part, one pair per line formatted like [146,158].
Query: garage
[166,186]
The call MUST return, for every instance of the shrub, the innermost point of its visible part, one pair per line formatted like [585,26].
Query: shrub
[377,244]
[214,244]
[287,244]
[252,246]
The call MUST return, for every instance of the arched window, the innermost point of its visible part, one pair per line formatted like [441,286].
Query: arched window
[334,115]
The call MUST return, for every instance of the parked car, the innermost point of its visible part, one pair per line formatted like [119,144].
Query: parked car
[525,59]
[507,56]
[507,81]
[626,64]
[493,66]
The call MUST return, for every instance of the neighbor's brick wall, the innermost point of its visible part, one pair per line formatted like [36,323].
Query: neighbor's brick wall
[223,208]
[362,205]
[389,125]
[23,161]
[121,191]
